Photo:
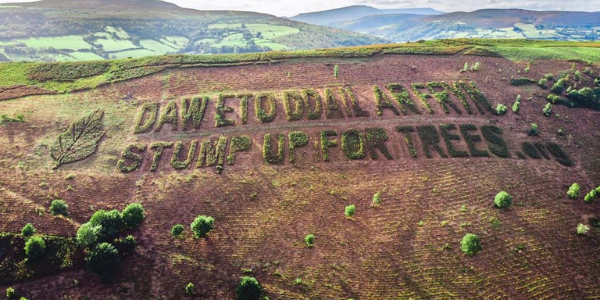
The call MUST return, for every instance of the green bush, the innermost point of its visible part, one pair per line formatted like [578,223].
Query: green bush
[573,191]
[309,240]
[501,109]
[582,229]
[558,87]
[59,207]
[249,289]
[591,196]
[10,292]
[202,225]
[110,222]
[503,199]
[87,234]
[377,199]
[35,247]
[470,244]
[336,71]
[127,245]
[104,259]
[350,210]
[547,110]
[533,129]
[517,104]
[177,230]
[189,289]
[28,230]
[133,215]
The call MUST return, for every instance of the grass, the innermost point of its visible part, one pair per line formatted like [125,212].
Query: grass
[68,42]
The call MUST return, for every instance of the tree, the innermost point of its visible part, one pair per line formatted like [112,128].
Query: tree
[503,200]
[189,288]
[133,215]
[501,109]
[582,229]
[309,240]
[10,292]
[177,230]
[573,191]
[349,210]
[249,289]
[470,244]
[202,225]
[28,230]
[104,259]
[87,234]
[110,224]
[35,247]
[547,110]
[59,207]
[127,245]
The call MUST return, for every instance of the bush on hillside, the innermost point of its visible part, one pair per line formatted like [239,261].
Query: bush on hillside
[28,230]
[503,200]
[177,230]
[35,247]
[104,259]
[133,215]
[202,225]
[59,207]
[87,234]
[350,210]
[573,191]
[249,289]
[309,240]
[501,109]
[470,244]
[110,222]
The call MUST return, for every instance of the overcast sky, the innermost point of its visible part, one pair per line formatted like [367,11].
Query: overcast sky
[293,7]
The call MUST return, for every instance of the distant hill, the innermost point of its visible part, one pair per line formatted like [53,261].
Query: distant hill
[350,13]
[487,23]
[62,30]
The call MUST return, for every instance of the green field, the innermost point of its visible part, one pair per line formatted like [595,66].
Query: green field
[268,31]
[69,42]
[112,45]
[157,47]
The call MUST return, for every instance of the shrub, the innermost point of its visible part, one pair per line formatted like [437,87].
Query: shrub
[110,223]
[28,230]
[547,110]
[133,215]
[503,199]
[336,71]
[104,259]
[59,207]
[377,199]
[517,104]
[202,225]
[573,191]
[35,247]
[127,245]
[249,289]
[470,244]
[189,289]
[309,240]
[582,228]
[350,210]
[10,292]
[533,129]
[591,196]
[87,234]
[501,109]
[558,87]
[475,67]
[542,83]
[177,230]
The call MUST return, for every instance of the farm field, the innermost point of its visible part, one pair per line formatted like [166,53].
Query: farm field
[278,146]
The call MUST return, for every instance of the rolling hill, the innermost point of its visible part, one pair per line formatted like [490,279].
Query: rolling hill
[488,23]
[365,172]
[61,30]
[355,12]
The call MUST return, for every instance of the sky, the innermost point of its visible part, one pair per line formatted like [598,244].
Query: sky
[294,7]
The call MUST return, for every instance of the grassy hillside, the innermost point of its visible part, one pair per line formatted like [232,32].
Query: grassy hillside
[59,30]
[346,173]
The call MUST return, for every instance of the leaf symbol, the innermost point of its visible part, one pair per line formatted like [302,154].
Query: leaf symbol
[80,140]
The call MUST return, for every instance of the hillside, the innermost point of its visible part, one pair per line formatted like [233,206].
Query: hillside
[62,30]
[487,23]
[355,12]
[278,146]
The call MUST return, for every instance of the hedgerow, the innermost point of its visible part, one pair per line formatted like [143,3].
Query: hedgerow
[67,71]
[168,115]
[212,154]
[401,94]
[297,139]
[376,138]
[442,97]
[262,115]
[406,131]
[382,102]
[422,96]
[478,98]
[541,149]
[455,90]
[244,98]
[430,139]
[449,137]
[158,151]
[332,109]
[312,114]
[176,161]
[559,154]
[193,110]
[268,155]
[238,143]
[522,81]
[358,112]
[353,144]
[471,139]
[152,109]
[129,154]
[496,144]
[221,109]
[327,143]
[295,111]
[531,150]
